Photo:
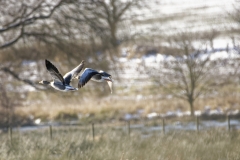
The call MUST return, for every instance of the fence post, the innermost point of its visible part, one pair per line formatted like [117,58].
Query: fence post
[50,131]
[129,127]
[197,123]
[10,133]
[93,132]
[228,122]
[163,125]
[19,133]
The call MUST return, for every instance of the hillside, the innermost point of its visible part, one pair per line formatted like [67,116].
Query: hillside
[171,16]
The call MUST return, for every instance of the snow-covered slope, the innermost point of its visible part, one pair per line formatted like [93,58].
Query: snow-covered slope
[172,16]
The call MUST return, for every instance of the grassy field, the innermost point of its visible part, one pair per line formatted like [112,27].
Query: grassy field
[71,143]
[54,105]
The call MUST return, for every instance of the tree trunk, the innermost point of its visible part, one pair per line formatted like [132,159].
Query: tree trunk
[191,103]
[113,34]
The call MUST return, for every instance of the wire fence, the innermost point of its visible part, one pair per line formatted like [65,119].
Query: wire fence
[160,125]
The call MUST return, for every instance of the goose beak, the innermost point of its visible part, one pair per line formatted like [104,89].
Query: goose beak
[108,79]
[110,85]
[110,82]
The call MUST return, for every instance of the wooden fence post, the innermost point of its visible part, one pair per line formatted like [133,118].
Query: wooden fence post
[10,133]
[93,132]
[19,132]
[228,122]
[197,123]
[163,125]
[129,128]
[50,131]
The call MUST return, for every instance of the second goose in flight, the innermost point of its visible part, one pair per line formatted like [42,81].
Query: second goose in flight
[62,83]
[97,76]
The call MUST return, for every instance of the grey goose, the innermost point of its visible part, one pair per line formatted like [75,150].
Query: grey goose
[97,76]
[62,83]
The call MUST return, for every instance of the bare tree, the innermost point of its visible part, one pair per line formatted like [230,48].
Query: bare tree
[210,36]
[235,14]
[103,20]
[189,75]
[21,24]
[19,16]
[70,30]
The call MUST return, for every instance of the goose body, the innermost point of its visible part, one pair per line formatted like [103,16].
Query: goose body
[97,76]
[62,83]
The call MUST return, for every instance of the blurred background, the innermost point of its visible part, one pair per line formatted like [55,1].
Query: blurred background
[168,58]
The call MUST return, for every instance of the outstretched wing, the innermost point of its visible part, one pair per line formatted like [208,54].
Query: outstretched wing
[73,73]
[86,76]
[57,77]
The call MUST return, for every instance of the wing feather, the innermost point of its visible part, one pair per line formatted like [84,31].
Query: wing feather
[56,75]
[86,76]
[68,77]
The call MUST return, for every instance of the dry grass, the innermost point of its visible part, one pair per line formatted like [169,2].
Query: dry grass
[110,143]
[54,105]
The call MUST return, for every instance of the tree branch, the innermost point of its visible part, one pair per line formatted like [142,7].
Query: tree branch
[26,19]
[15,75]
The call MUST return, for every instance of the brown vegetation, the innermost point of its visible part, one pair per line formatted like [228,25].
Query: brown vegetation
[112,143]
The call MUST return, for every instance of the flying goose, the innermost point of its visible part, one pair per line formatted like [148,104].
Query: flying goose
[97,76]
[62,83]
